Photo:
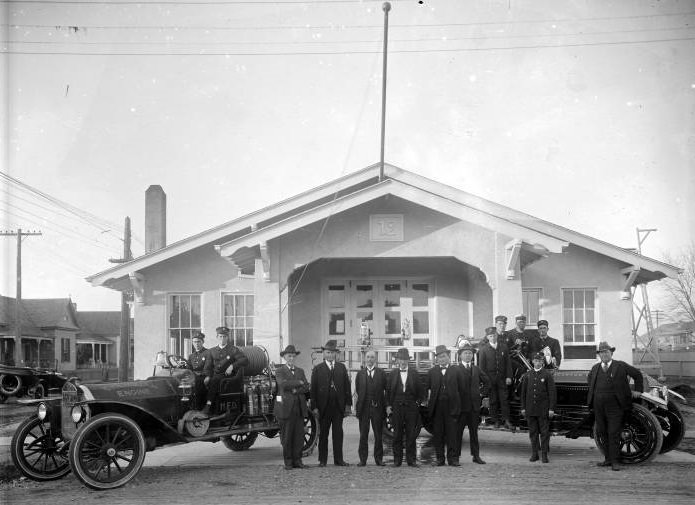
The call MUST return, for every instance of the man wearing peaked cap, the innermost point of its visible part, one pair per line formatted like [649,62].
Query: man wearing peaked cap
[521,337]
[445,383]
[224,360]
[331,399]
[198,357]
[610,398]
[291,408]
[547,345]
[538,401]
[404,394]
[494,361]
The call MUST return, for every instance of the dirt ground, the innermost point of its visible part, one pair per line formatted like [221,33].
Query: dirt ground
[257,477]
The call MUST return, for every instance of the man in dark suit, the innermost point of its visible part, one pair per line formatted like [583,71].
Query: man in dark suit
[495,363]
[445,384]
[473,378]
[291,408]
[538,401]
[370,385]
[224,360]
[548,345]
[331,399]
[404,395]
[197,359]
[610,398]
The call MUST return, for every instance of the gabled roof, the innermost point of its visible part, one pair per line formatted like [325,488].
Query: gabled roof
[363,186]
[38,314]
[101,323]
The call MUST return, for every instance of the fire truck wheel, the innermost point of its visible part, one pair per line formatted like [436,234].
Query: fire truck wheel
[311,433]
[38,453]
[640,438]
[672,425]
[10,384]
[240,441]
[107,452]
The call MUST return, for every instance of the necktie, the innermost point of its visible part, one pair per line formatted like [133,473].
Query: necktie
[605,366]
[443,370]
[292,370]
[371,374]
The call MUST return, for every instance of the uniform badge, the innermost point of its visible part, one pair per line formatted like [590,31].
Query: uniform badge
[227,357]
[542,380]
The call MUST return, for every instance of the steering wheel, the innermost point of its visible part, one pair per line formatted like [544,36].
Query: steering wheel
[177,361]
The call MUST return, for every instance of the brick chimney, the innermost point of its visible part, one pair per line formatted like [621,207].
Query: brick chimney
[155,218]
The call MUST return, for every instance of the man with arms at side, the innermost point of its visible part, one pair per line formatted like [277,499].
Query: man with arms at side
[538,401]
[445,384]
[291,408]
[610,398]
[473,379]
[494,362]
[370,385]
[404,395]
[331,400]
[224,360]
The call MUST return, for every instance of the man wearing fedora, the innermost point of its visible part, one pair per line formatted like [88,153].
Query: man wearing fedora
[291,408]
[331,399]
[494,361]
[404,395]
[610,398]
[445,384]
[224,360]
[370,385]
[473,379]
[548,345]
[538,401]
[197,359]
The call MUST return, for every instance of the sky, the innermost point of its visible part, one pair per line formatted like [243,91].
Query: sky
[578,112]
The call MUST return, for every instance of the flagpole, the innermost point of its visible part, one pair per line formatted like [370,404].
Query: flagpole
[387,8]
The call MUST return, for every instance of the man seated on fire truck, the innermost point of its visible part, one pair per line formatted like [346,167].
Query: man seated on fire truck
[224,360]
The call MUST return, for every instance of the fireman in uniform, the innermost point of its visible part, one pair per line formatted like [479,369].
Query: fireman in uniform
[548,345]
[538,400]
[521,337]
[223,360]
[197,359]
[494,362]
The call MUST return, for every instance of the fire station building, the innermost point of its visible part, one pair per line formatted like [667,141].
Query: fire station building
[401,261]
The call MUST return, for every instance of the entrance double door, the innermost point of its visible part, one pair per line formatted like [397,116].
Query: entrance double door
[395,312]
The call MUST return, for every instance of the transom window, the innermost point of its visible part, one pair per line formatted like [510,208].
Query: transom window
[579,315]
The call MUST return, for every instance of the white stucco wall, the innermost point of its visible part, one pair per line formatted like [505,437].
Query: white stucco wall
[581,268]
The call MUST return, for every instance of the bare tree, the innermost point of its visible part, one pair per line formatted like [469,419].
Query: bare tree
[680,292]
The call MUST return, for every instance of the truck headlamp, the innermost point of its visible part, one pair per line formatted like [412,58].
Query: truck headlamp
[77,414]
[42,411]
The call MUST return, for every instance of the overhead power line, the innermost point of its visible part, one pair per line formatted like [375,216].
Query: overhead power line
[335,42]
[340,26]
[104,225]
[333,53]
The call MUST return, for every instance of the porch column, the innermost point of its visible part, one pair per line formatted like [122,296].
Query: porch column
[266,327]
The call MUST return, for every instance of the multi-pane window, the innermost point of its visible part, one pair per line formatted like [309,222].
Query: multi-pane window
[238,317]
[336,309]
[531,298]
[184,322]
[579,315]
[64,350]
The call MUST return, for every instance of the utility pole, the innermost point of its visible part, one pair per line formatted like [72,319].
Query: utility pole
[18,296]
[652,345]
[124,349]
[386,7]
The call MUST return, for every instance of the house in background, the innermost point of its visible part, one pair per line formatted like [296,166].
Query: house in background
[678,336]
[57,336]
[399,261]
[49,329]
